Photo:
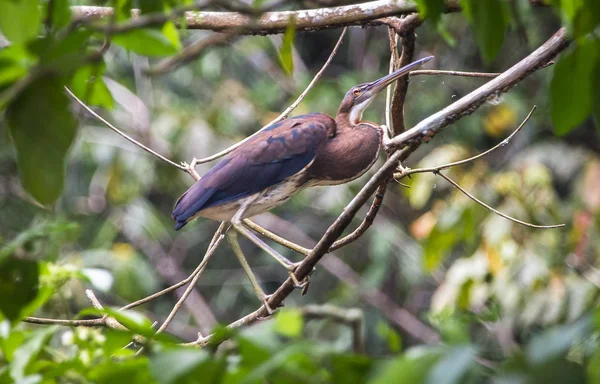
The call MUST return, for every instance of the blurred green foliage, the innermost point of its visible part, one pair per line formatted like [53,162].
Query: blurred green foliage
[82,208]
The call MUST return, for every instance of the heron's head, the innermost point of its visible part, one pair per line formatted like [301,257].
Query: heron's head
[359,97]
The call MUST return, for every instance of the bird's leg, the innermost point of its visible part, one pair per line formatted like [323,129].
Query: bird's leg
[236,222]
[290,266]
[237,250]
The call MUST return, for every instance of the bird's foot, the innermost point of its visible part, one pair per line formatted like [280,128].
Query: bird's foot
[265,301]
[402,169]
[301,284]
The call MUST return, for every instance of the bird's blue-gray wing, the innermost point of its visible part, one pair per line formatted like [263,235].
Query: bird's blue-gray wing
[276,153]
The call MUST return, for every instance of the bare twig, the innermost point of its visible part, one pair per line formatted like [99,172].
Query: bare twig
[269,22]
[287,111]
[367,221]
[123,134]
[470,159]
[220,234]
[436,170]
[168,269]
[495,210]
[191,52]
[436,72]
[108,320]
[70,323]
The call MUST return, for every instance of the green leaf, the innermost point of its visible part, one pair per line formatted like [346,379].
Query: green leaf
[593,367]
[286,59]
[172,34]
[289,322]
[489,21]
[43,129]
[437,247]
[147,42]
[133,321]
[431,9]
[18,286]
[62,55]
[20,20]
[28,351]
[122,371]
[412,367]
[350,369]
[453,366]
[61,13]
[173,366]
[9,345]
[587,18]
[88,85]
[572,86]
[556,342]
[15,62]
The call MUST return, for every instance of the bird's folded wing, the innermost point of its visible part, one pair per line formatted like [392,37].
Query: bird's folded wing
[276,153]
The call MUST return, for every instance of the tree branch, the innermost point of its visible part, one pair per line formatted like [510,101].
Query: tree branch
[408,141]
[426,129]
[269,22]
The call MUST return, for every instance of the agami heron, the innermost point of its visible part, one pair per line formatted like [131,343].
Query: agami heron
[283,159]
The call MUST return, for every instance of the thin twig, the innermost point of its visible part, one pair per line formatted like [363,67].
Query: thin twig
[367,221]
[191,52]
[437,72]
[110,322]
[211,250]
[121,133]
[436,170]
[285,113]
[495,210]
[173,287]
[70,323]
[504,142]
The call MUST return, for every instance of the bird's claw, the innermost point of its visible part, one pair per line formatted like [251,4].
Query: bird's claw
[270,311]
[265,302]
[300,284]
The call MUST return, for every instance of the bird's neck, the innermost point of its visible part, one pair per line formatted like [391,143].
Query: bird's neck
[343,122]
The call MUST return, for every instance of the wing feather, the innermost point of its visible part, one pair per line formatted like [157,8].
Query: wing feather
[277,153]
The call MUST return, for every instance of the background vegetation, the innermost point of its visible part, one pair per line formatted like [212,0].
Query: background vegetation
[82,208]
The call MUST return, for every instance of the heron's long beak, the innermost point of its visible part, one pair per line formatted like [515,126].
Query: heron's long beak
[373,88]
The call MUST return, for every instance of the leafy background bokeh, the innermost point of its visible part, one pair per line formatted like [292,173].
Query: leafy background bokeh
[517,297]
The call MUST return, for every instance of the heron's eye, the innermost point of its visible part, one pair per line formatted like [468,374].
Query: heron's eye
[356,92]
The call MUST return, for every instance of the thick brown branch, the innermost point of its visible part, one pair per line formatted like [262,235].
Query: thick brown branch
[271,22]
[456,111]
[408,52]
[432,125]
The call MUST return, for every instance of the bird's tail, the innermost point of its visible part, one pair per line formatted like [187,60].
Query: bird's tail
[190,203]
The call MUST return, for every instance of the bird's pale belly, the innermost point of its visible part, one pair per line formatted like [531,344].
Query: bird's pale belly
[260,202]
